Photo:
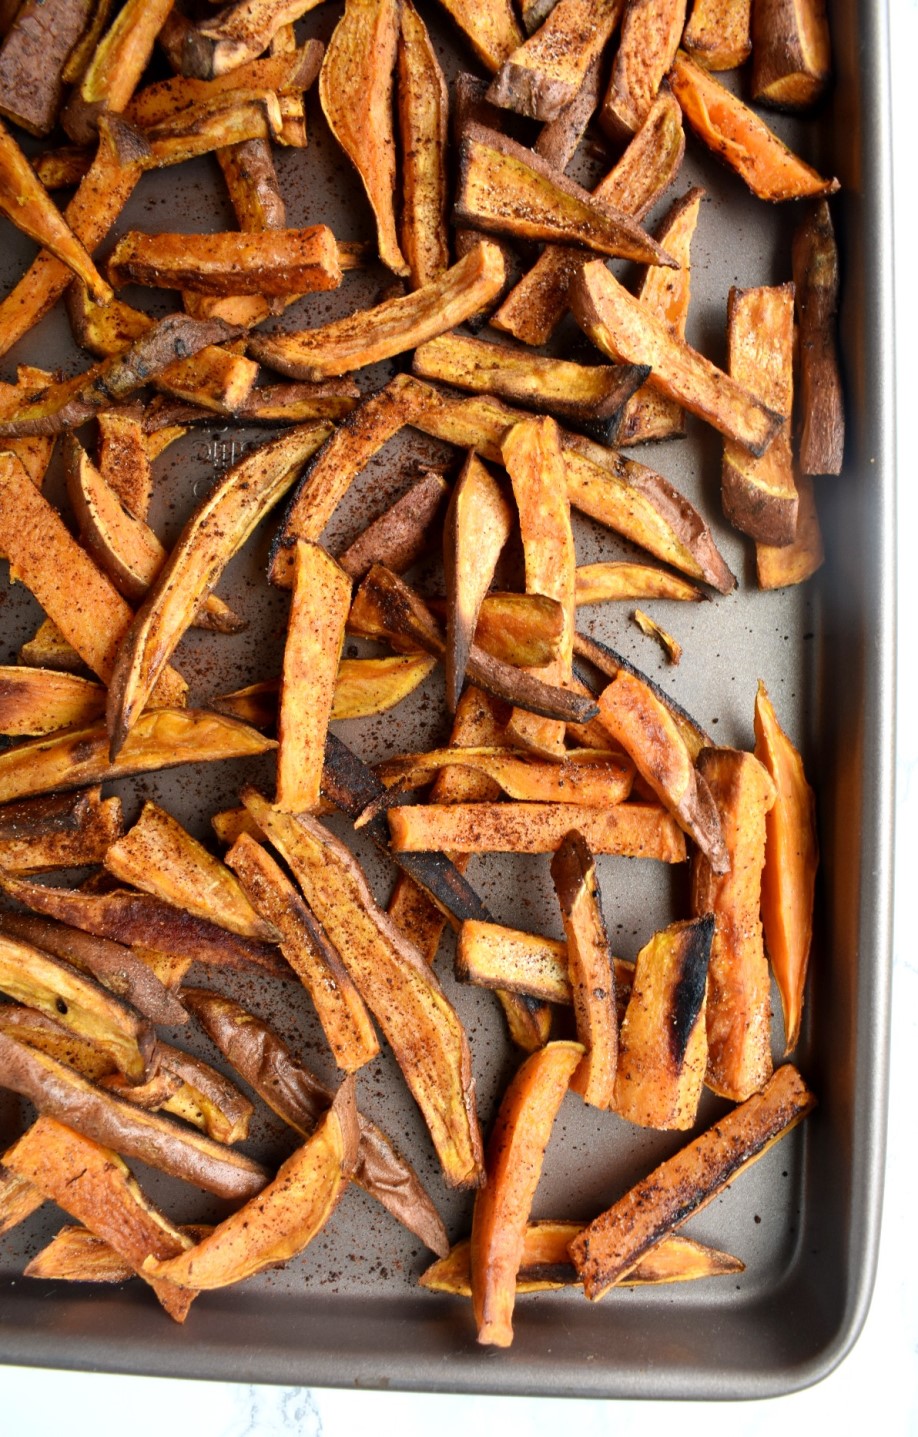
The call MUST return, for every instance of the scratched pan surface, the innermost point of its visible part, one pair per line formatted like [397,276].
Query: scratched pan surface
[805,1219]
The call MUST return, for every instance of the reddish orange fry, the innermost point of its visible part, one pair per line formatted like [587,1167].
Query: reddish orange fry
[637,830]
[791,860]
[651,31]
[514,1163]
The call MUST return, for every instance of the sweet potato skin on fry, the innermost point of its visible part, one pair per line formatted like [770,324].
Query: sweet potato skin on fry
[816,281]
[545,74]
[592,971]
[791,53]
[651,31]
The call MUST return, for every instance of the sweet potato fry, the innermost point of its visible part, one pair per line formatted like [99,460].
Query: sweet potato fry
[493,956]
[545,74]
[477,526]
[86,46]
[607,1250]
[37,1030]
[401,534]
[791,860]
[271,262]
[297,1096]
[592,779]
[418,1022]
[389,328]
[649,165]
[624,329]
[791,53]
[355,89]
[739,1002]
[649,415]
[516,1149]
[558,140]
[75,1254]
[646,730]
[112,74]
[93,1184]
[740,138]
[160,738]
[608,662]
[600,583]
[422,116]
[18,1200]
[285,74]
[341,1010]
[651,32]
[509,189]
[60,1093]
[363,687]
[159,857]
[591,969]
[191,1090]
[315,636]
[218,528]
[794,563]
[636,830]
[759,496]
[242,32]
[670,646]
[77,844]
[33,57]
[815,266]
[524,629]
[718,34]
[124,460]
[490,26]
[37,701]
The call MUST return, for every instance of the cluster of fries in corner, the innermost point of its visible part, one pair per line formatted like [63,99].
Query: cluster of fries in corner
[539,760]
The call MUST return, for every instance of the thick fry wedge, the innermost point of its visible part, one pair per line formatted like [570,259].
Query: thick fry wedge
[284,1218]
[401,534]
[577,392]
[741,139]
[93,1184]
[315,636]
[739,1001]
[297,1096]
[422,116]
[591,969]
[84,605]
[355,88]
[421,1027]
[218,528]
[345,1021]
[546,73]
[649,165]
[794,563]
[558,140]
[516,1149]
[272,262]
[607,1250]
[79,843]
[718,35]
[389,328]
[759,496]
[33,57]
[124,461]
[524,629]
[663,1046]
[25,201]
[651,31]
[509,189]
[791,53]
[37,701]
[159,857]
[477,526]
[160,739]
[815,265]
[37,1030]
[112,74]
[60,1093]
[649,415]
[624,329]
[791,860]
[490,26]
[648,733]
[636,830]
[600,583]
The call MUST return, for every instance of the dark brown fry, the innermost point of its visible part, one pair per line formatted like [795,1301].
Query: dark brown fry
[402,533]
[815,265]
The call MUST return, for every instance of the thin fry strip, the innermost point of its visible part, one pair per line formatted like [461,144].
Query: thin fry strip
[600,583]
[119,61]
[595,779]
[38,701]
[636,830]
[422,113]
[591,969]
[478,524]
[490,27]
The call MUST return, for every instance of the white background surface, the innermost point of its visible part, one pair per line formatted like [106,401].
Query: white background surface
[876,1387]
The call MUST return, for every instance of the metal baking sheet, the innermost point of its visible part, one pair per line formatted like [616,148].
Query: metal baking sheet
[805,1220]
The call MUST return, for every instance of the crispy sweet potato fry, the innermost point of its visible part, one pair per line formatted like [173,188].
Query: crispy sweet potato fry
[743,141]
[791,860]
[545,74]
[63,168]
[637,830]
[490,26]
[558,140]
[93,1184]
[516,1149]
[608,662]
[77,845]
[401,534]
[648,414]
[159,857]
[192,1090]
[651,31]
[271,262]
[355,88]
[663,1046]
[315,636]
[60,1093]
[670,646]
[599,583]
[422,115]
[524,629]
[815,266]
[390,327]
[493,956]
[418,1022]
[75,1254]
[124,460]
[218,528]
[160,738]
[37,1030]
[624,329]
[791,53]
[759,496]
[646,730]
[285,74]
[37,701]
[607,1250]
[794,563]
[649,165]
[363,687]
[345,1021]
[85,48]
[718,34]
[242,32]
[591,968]
[739,1002]
[509,189]
[18,1200]
[594,779]
[33,57]
[477,526]
[297,1096]
[112,74]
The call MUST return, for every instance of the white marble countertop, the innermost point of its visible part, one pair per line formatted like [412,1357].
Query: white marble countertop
[877,1384]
